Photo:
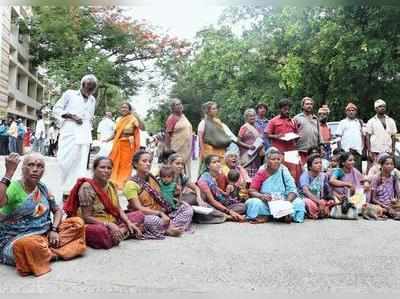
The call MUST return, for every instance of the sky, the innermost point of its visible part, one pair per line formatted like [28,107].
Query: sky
[178,18]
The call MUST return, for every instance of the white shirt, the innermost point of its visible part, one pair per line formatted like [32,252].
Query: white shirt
[105,128]
[52,133]
[350,131]
[381,138]
[143,138]
[73,102]
[40,131]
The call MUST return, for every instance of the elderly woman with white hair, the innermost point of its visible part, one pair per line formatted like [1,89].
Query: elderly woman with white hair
[273,181]
[232,162]
[29,237]
[252,155]
[179,134]
[74,112]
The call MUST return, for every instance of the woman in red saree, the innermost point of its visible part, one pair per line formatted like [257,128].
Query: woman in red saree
[96,202]
[126,143]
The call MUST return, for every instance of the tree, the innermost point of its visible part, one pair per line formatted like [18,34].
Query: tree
[72,41]
[331,54]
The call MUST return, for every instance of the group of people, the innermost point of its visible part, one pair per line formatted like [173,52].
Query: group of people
[15,137]
[282,169]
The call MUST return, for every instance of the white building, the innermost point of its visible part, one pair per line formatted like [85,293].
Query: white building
[21,91]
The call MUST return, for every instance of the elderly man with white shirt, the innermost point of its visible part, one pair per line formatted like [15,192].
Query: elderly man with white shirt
[75,112]
[381,132]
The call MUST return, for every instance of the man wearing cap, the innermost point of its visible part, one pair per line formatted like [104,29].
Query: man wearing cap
[381,130]
[350,131]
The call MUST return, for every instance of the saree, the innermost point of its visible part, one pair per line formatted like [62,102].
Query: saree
[206,183]
[385,191]
[181,141]
[123,149]
[148,193]
[105,208]
[249,135]
[24,224]
[319,187]
[278,184]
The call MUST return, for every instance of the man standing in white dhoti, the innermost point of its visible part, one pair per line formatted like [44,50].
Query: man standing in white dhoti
[75,112]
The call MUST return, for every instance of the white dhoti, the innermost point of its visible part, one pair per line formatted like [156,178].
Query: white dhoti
[72,159]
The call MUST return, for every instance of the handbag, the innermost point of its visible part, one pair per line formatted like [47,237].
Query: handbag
[215,135]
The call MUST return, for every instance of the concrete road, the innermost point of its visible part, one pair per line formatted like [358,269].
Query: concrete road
[328,256]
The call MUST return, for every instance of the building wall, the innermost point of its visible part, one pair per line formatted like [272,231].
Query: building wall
[25,91]
[4,59]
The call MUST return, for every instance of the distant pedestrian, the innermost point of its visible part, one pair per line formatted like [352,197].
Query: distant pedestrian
[40,135]
[3,138]
[21,129]
[52,136]
[106,127]
[74,112]
[12,135]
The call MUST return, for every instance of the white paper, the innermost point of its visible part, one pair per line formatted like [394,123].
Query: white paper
[292,157]
[280,208]
[289,136]
[202,210]
[258,143]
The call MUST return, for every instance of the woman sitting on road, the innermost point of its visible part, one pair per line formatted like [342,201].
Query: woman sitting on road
[96,201]
[143,194]
[231,207]
[273,179]
[29,239]
[314,185]
[385,187]
[232,163]
[346,179]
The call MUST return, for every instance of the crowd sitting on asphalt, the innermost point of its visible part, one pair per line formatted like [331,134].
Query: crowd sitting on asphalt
[283,169]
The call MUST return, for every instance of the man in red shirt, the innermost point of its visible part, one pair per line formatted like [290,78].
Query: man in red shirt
[279,126]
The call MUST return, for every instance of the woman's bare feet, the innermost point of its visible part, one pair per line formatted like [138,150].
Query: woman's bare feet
[259,220]
[174,231]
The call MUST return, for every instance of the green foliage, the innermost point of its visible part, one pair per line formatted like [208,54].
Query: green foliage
[331,54]
[72,41]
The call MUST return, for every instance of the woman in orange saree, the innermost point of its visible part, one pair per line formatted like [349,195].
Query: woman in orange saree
[126,143]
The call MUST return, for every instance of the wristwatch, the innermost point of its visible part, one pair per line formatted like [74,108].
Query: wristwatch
[54,229]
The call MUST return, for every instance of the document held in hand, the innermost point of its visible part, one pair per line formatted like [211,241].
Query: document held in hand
[289,137]
[292,157]
[258,143]
[280,208]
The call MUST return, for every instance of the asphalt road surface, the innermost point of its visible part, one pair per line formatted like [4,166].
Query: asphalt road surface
[328,256]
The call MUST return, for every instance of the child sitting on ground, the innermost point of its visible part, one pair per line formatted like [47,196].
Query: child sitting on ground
[168,188]
[232,189]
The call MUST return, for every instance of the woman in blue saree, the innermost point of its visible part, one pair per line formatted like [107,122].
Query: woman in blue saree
[29,238]
[273,180]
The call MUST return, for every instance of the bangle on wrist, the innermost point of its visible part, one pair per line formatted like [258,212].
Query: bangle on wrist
[54,229]
[5,180]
